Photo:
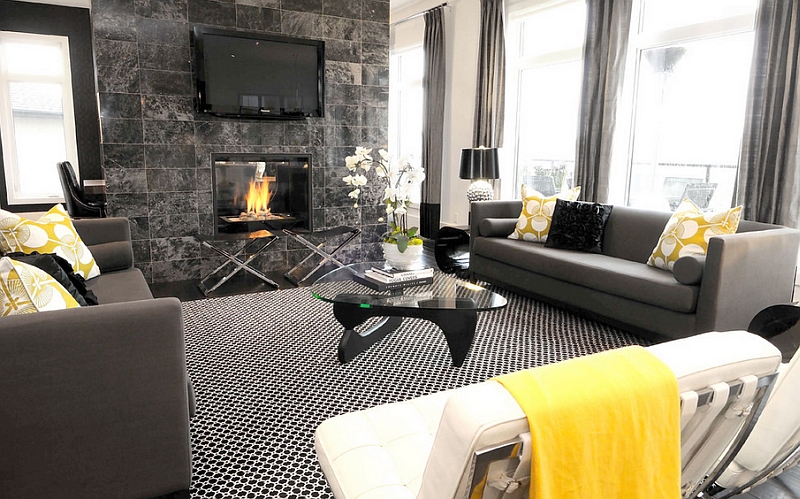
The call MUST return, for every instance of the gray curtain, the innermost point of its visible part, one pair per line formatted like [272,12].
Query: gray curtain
[433,81]
[607,26]
[491,92]
[769,167]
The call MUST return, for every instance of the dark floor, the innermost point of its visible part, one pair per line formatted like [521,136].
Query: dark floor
[785,486]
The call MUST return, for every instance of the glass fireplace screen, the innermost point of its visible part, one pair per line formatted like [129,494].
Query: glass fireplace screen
[261,191]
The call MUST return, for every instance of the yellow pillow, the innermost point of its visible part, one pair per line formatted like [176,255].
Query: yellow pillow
[537,213]
[688,231]
[25,289]
[53,233]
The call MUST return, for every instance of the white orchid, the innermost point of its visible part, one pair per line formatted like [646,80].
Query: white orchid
[401,178]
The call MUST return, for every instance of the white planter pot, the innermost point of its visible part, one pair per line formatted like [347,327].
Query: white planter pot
[407,260]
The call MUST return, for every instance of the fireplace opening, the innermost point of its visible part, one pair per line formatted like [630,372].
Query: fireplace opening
[261,191]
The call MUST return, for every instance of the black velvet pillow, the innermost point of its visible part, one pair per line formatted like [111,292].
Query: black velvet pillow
[578,226]
[62,271]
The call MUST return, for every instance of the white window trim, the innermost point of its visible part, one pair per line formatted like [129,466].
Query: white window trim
[10,164]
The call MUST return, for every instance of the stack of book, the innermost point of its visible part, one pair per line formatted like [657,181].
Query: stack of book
[385,279]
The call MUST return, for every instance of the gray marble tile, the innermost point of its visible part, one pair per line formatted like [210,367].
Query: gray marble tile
[114,19]
[205,223]
[319,219]
[121,131]
[169,203]
[336,156]
[342,8]
[178,270]
[336,93]
[261,133]
[117,79]
[127,205]
[272,4]
[375,75]
[341,216]
[175,10]
[116,53]
[379,137]
[343,50]
[339,72]
[375,96]
[171,180]
[258,18]
[164,57]
[168,132]
[346,115]
[203,186]
[173,248]
[123,156]
[166,82]
[146,268]
[169,156]
[125,106]
[163,32]
[302,5]
[168,107]
[217,132]
[375,10]
[140,228]
[304,135]
[303,24]
[186,224]
[213,13]
[374,53]
[343,135]
[141,251]
[375,117]
[376,33]
[339,28]
[126,180]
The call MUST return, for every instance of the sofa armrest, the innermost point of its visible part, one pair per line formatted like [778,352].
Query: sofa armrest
[745,273]
[481,210]
[109,240]
[94,400]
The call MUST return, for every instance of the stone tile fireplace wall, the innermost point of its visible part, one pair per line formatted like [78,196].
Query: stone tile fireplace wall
[157,149]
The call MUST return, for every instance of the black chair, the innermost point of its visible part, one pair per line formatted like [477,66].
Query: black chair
[74,197]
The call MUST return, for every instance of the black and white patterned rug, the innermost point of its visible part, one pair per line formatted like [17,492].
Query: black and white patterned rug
[266,375]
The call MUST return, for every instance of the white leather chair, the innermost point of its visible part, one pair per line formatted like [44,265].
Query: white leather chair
[443,445]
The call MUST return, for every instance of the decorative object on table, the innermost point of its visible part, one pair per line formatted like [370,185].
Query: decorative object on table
[404,260]
[479,165]
[401,178]
[371,282]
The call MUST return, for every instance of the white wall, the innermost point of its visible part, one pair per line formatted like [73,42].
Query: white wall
[462,30]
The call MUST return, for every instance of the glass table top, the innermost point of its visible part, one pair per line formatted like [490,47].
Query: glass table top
[445,292]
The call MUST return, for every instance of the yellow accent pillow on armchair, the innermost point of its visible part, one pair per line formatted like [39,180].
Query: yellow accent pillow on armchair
[534,222]
[53,233]
[687,233]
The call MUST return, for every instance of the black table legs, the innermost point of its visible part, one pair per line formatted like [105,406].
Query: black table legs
[458,326]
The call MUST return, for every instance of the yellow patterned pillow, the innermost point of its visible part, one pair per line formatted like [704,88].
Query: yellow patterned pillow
[688,232]
[53,233]
[533,223]
[25,289]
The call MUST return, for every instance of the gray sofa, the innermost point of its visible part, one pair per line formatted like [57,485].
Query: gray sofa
[741,274]
[93,400]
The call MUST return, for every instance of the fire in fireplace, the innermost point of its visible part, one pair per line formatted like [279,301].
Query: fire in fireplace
[261,191]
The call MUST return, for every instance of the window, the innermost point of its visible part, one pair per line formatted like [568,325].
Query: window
[545,45]
[405,105]
[690,68]
[37,122]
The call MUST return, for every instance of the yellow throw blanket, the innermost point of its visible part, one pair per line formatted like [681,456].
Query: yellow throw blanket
[604,426]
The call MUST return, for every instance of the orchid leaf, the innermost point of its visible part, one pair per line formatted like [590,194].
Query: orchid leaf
[402,242]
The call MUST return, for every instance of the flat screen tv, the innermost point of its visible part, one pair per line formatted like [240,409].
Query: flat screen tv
[250,75]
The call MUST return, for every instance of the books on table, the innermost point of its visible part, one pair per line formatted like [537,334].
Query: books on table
[392,275]
[372,283]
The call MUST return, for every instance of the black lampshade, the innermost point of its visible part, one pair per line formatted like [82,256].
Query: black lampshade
[479,163]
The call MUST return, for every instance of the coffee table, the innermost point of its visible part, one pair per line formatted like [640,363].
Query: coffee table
[450,303]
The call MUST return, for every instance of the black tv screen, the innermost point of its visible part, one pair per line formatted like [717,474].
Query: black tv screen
[252,75]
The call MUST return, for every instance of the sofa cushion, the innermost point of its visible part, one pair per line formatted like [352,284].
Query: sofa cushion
[26,289]
[631,233]
[121,286]
[53,233]
[497,227]
[689,269]
[533,223]
[578,226]
[615,276]
[687,233]
[117,255]
[60,270]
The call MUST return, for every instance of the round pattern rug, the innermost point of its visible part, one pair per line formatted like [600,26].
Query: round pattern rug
[266,374]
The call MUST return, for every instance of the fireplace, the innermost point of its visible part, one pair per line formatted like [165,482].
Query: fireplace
[261,191]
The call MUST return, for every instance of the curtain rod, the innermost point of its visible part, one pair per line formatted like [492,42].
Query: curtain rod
[419,14]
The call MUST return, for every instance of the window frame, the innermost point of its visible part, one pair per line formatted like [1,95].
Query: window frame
[14,197]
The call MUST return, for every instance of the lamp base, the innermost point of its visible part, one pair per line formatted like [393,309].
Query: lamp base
[480,190]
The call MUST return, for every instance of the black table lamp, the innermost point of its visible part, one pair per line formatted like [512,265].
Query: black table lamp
[478,165]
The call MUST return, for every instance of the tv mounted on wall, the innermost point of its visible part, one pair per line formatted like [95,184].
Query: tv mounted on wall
[250,75]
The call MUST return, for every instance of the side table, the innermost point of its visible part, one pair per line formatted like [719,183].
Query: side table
[257,241]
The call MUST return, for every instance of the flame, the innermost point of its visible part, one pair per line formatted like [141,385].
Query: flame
[258,197]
